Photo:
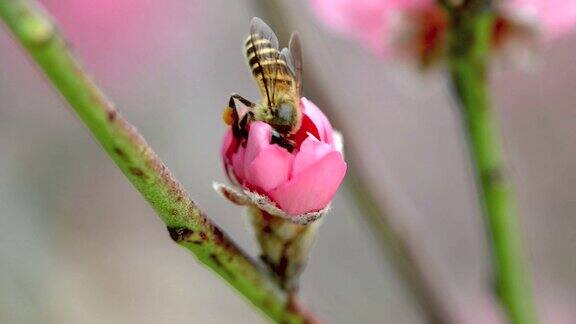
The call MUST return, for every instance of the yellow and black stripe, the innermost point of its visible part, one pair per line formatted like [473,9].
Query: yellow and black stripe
[268,67]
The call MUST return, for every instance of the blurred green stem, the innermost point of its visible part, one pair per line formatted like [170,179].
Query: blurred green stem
[469,62]
[187,225]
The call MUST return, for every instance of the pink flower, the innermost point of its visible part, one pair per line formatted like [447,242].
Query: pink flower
[374,22]
[297,185]
[419,28]
[554,18]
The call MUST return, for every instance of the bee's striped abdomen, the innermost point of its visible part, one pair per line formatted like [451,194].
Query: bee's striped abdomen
[258,50]
[268,67]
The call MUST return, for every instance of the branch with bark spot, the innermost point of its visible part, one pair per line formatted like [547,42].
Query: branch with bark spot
[186,223]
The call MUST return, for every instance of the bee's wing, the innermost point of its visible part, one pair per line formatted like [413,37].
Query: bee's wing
[296,60]
[262,54]
[286,75]
[293,58]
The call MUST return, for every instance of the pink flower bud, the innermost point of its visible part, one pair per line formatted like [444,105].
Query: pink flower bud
[297,185]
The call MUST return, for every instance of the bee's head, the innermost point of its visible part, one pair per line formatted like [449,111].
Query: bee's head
[286,118]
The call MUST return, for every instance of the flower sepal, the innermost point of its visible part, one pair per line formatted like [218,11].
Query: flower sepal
[245,197]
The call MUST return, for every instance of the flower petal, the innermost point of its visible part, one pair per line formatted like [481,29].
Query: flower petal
[319,119]
[270,168]
[226,144]
[338,142]
[259,138]
[312,189]
[556,17]
[238,164]
[311,151]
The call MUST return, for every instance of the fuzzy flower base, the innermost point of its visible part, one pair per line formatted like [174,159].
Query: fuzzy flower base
[284,245]
[247,198]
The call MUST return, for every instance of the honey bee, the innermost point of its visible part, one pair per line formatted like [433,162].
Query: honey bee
[278,74]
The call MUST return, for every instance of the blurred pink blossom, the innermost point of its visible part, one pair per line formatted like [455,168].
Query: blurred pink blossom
[554,18]
[418,28]
[372,21]
[297,183]
[123,35]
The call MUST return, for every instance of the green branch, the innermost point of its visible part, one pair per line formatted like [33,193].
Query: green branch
[187,225]
[469,64]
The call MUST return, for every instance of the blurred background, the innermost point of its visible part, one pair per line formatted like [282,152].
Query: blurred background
[79,245]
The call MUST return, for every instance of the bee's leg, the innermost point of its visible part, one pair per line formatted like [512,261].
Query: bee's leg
[243,100]
[277,138]
[232,118]
[244,121]
[241,130]
[230,114]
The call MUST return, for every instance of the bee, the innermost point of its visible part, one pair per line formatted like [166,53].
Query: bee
[278,74]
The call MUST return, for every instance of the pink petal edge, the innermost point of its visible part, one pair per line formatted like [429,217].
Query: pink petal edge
[313,189]
[319,120]
[311,151]
[258,139]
